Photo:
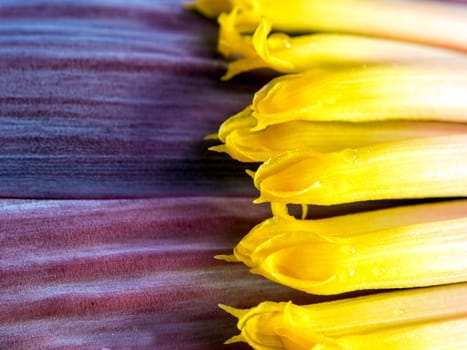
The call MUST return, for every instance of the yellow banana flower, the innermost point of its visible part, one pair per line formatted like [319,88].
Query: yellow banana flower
[419,21]
[288,54]
[425,318]
[415,168]
[410,246]
[245,145]
[365,94]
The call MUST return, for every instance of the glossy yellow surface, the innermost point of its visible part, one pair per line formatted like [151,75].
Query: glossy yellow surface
[402,247]
[366,93]
[293,54]
[416,21]
[426,318]
[246,145]
[415,168]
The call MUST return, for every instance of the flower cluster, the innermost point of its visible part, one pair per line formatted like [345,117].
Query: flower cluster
[374,109]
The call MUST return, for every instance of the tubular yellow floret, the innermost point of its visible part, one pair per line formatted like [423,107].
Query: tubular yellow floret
[425,318]
[393,248]
[245,145]
[418,21]
[372,93]
[347,225]
[415,168]
[296,54]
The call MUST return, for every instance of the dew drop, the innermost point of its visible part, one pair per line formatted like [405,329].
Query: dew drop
[400,312]
[351,155]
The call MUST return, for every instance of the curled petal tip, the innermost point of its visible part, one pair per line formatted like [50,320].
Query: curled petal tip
[227,258]
[235,339]
[242,65]
[219,149]
[259,200]
[211,137]
[250,173]
[228,75]
[261,45]
[238,313]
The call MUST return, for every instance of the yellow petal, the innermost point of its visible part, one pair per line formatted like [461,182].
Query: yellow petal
[245,145]
[426,318]
[371,93]
[296,54]
[415,168]
[420,21]
[347,225]
[393,248]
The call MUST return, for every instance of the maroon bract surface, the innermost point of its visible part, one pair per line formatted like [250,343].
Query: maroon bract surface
[110,99]
[125,274]
[106,100]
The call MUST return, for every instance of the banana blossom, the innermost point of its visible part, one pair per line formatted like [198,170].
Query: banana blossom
[414,168]
[293,54]
[441,23]
[426,318]
[409,246]
[246,145]
[365,93]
